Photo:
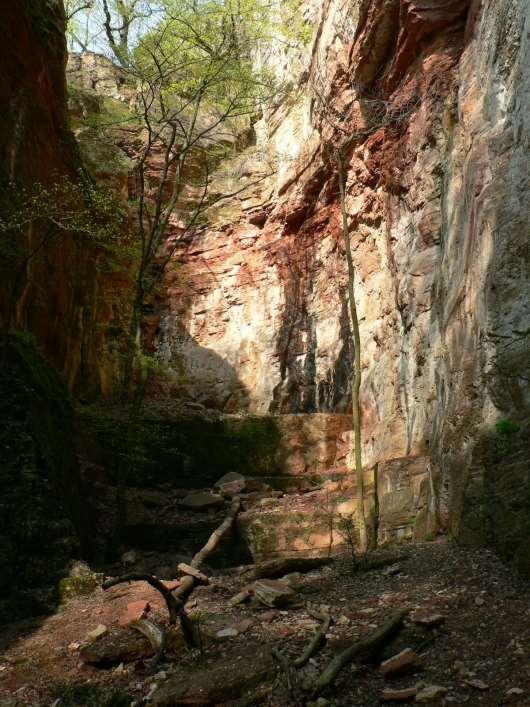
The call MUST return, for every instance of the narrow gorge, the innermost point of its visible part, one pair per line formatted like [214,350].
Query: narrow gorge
[240,351]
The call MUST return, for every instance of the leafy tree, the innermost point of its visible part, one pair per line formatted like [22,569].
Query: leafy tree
[198,89]
[78,14]
[120,20]
[201,70]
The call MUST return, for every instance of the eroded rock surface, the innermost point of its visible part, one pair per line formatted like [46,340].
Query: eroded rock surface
[437,97]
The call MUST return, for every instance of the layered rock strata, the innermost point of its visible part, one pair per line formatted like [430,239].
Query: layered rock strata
[434,97]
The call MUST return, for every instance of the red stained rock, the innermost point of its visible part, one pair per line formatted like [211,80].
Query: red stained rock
[407,693]
[135,611]
[399,663]
[173,584]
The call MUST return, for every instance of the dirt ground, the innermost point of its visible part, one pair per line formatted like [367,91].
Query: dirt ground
[479,653]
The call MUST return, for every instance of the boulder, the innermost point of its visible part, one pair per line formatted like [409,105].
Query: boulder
[201,501]
[513,694]
[231,484]
[274,592]
[129,557]
[229,632]
[477,684]
[214,683]
[123,646]
[427,619]
[430,693]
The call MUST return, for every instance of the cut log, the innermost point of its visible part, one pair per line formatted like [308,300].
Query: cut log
[241,596]
[193,572]
[368,646]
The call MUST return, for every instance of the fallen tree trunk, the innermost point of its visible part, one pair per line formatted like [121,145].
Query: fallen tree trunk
[370,645]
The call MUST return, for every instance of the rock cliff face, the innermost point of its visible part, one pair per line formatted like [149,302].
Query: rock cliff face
[434,96]
[60,297]
[255,319]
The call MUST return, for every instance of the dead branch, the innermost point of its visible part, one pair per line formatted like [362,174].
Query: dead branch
[185,569]
[176,599]
[318,640]
[370,646]
[286,667]
[151,631]
[216,536]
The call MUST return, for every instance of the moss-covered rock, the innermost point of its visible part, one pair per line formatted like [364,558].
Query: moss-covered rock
[496,503]
[188,452]
[80,581]
[41,516]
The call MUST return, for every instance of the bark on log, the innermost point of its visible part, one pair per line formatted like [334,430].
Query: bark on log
[290,677]
[370,645]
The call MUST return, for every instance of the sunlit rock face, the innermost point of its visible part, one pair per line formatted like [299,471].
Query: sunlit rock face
[255,314]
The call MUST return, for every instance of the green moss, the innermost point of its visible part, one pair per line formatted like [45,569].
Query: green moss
[80,581]
[506,427]
[40,507]
[496,503]
[187,452]
[86,695]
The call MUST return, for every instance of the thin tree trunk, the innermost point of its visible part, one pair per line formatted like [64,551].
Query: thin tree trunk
[370,645]
[375,519]
[356,379]
[133,344]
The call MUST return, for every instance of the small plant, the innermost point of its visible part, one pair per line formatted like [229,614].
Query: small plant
[347,530]
[506,427]
[502,440]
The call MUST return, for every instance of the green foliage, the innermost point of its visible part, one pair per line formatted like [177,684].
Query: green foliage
[190,451]
[206,50]
[503,440]
[347,529]
[79,207]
